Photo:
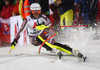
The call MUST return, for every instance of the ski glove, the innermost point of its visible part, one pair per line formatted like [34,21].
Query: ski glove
[13,44]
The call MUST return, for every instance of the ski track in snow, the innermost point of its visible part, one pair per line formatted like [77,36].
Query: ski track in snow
[27,57]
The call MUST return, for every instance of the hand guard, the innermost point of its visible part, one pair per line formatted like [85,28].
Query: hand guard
[42,27]
[12,46]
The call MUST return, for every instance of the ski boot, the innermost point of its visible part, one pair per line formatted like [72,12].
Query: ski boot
[78,54]
[60,55]
[57,52]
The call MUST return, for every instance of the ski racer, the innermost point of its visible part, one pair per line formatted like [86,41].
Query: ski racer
[35,20]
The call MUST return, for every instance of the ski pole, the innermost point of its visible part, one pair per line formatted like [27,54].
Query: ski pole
[10,50]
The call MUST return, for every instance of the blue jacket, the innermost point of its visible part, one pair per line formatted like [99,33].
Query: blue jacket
[66,5]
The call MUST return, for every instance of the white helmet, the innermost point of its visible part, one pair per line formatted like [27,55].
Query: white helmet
[35,6]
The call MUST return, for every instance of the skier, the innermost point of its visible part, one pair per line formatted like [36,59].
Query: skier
[38,36]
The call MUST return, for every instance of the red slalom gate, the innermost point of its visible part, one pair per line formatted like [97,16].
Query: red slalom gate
[76,26]
[46,41]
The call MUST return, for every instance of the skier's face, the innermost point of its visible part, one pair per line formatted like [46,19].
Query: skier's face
[36,13]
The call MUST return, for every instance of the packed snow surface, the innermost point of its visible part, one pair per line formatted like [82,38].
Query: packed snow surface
[27,57]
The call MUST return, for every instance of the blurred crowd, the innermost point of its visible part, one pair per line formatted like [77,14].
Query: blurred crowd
[89,11]
[9,8]
[85,11]
[64,12]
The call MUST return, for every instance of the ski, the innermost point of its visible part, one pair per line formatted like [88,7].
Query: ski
[83,58]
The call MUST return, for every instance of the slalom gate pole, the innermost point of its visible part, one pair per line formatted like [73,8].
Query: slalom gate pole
[76,26]
[46,41]
[71,26]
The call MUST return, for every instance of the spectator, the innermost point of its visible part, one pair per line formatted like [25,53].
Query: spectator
[89,11]
[93,12]
[78,19]
[7,9]
[16,8]
[78,4]
[54,14]
[66,10]
[85,9]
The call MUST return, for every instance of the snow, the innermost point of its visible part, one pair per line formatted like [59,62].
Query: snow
[27,57]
